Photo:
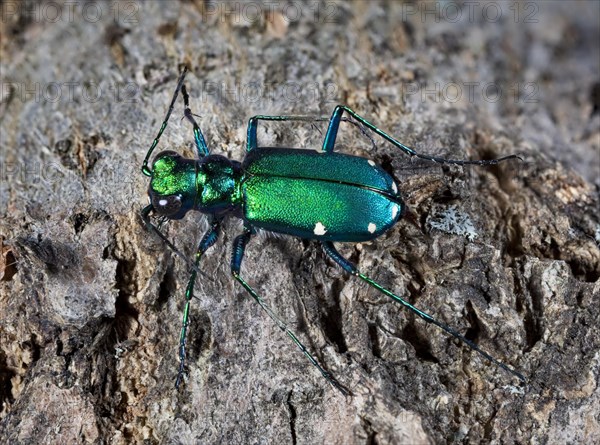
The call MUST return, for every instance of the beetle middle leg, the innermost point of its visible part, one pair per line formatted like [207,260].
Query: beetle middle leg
[239,246]
[345,264]
[251,140]
[209,238]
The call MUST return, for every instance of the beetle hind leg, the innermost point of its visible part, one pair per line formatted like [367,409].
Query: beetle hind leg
[345,264]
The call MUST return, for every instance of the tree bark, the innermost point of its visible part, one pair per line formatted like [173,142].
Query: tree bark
[91,302]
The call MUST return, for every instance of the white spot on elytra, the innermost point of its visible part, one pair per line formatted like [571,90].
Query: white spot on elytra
[371,163]
[162,202]
[319,229]
[394,211]
[372,227]
[394,187]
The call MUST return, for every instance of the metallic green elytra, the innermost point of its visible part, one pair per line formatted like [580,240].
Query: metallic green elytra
[317,195]
[320,195]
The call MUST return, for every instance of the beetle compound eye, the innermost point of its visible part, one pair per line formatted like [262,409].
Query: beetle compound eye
[167,205]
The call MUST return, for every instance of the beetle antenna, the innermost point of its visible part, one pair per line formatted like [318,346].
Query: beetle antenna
[145,169]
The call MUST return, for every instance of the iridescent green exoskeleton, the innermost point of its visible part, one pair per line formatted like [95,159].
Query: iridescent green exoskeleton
[319,195]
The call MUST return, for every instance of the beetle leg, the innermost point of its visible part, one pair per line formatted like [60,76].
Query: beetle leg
[251,141]
[351,268]
[209,238]
[199,140]
[239,246]
[145,215]
[334,124]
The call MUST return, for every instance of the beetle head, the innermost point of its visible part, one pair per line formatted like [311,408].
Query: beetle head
[173,185]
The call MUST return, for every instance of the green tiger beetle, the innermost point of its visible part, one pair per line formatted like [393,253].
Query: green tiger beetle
[315,195]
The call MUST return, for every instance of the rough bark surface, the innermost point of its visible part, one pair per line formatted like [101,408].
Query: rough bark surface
[90,302]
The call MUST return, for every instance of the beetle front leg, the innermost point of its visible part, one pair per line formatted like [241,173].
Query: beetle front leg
[239,246]
[199,140]
[209,238]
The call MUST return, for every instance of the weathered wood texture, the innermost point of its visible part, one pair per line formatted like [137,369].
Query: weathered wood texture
[90,302]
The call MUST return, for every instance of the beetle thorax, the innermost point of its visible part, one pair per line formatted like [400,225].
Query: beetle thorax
[217,180]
